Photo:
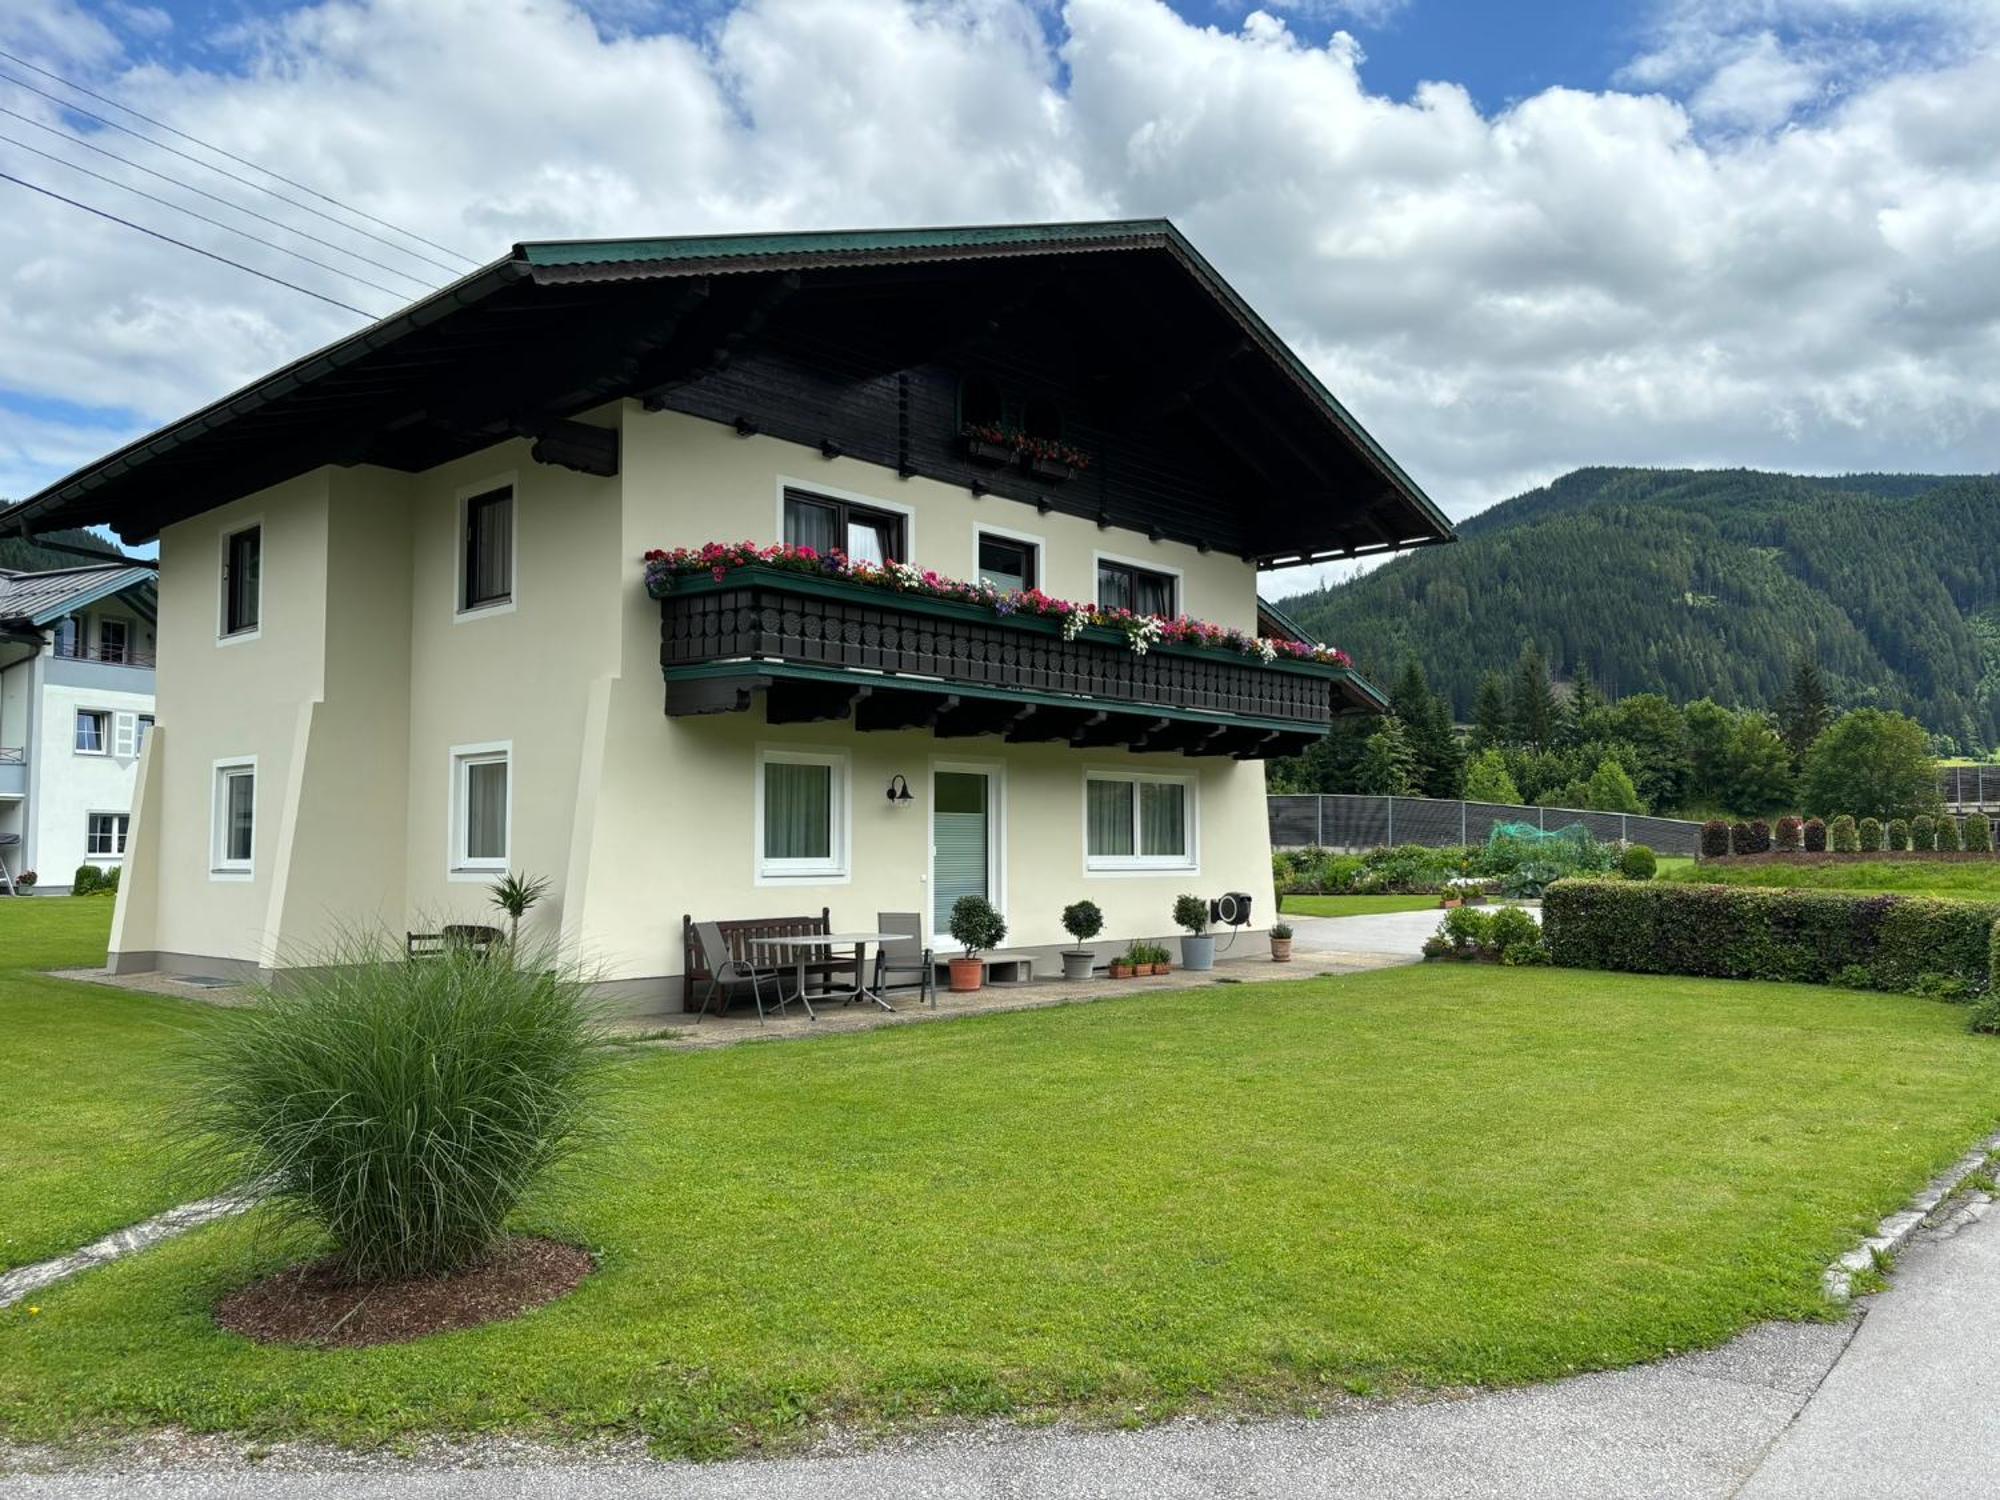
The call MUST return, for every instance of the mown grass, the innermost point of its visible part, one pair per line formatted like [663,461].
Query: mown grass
[1244,1194]
[81,1095]
[1972,880]
[1352,906]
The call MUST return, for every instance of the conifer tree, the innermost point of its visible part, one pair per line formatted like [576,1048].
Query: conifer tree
[1532,709]
[1803,710]
[1387,761]
[1489,714]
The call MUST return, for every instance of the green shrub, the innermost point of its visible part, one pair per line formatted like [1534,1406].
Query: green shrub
[976,926]
[1466,928]
[1789,835]
[1409,869]
[1766,932]
[1899,834]
[403,1108]
[87,880]
[1868,833]
[1522,954]
[1638,863]
[1845,835]
[1083,920]
[1815,836]
[1923,832]
[1714,838]
[1979,834]
[1948,840]
[1511,925]
[1985,1016]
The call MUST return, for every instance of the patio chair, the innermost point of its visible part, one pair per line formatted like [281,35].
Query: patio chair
[725,968]
[905,955]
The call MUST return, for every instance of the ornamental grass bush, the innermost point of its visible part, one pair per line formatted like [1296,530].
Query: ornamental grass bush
[1978,834]
[1869,835]
[1948,841]
[1909,944]
[1844,834]
[1789,834]
[1923,832]
[1815,835]
[1898,835]
[1714,839]
[403,1107]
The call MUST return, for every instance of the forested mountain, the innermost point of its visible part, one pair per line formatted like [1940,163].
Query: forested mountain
[29,558]
[1697,583]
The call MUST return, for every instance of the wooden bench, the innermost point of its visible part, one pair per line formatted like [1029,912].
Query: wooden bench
[743,937]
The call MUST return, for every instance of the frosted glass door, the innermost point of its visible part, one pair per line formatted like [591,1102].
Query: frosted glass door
[961,842]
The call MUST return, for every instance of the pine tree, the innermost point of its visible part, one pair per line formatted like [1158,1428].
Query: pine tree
[1489,714]
[1532,709]
[1387,762]
[1426,720]
[1803,710]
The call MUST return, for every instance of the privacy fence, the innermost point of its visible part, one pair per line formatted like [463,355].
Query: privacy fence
[1970,788]
[1344,822]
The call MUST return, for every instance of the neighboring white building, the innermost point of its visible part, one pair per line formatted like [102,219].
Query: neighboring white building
[407,640]
[76,706]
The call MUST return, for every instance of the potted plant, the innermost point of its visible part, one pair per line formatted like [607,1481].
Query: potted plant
[1281,942]
[1083,921]
[1198,947]
[516,895]
[1123,966]
[987,444]
[979,929]
[1163,961]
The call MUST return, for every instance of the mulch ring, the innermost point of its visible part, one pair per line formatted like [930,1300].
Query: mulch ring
[316,1304]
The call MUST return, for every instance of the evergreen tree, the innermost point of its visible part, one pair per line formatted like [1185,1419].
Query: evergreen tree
[1388,764]
[1426,720]
[1489,714]
[1803,711]
[1531,711]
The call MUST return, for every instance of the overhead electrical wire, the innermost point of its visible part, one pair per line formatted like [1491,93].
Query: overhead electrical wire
[225,172]
[183,244]
[77,140]
[70,83]
[255,239]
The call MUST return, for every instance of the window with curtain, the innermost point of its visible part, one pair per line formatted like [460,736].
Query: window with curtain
[235,818]
[826,524]
[1142,591]
[480,815]
[801,814]
[93,732]
[1137,822]
[487,575]
[242,580]
[1005,562]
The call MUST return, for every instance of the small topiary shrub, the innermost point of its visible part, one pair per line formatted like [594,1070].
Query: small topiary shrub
[1083,920]
[1739,838]
[1947,835]
[1869,834]
[977,926]
[1815,836]
[87,881]
[1978,834]
[402,1109]
[1760,836]
[1638,863]
[1923,832]
[1789,834]
[1714,838]
[1899,835]
[1511,925]
[1844,835]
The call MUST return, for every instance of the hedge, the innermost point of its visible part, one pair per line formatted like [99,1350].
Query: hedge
[1906,943]
[1815,832]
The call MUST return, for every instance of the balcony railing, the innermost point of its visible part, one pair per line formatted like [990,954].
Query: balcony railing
[115,657]
[822,648]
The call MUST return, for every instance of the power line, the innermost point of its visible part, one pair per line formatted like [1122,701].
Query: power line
[265,275]
[77,140]
[255,239]
[62,103]
[231,155]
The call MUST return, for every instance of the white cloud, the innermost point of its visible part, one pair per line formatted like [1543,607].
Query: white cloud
[1581,278]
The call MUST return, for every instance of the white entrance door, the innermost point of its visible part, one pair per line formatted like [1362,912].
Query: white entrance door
[964,841]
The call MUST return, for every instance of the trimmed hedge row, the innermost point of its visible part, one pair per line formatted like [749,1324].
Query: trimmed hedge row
[1907,943]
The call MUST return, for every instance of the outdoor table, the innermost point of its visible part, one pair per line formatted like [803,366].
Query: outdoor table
[859,941]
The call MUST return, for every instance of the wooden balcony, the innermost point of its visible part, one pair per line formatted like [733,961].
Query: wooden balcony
[825,649]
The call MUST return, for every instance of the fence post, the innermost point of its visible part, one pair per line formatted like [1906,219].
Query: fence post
[1319,821]
[1624,829]
[1390,803]
[1542,819]
[1461,822]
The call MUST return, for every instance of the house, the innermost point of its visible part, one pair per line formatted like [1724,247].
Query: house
[411,635]
[76,705]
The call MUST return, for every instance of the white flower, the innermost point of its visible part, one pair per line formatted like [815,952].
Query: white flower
[1073,623]
[1266,650]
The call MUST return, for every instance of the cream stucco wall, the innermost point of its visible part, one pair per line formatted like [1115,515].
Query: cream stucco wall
[365,676]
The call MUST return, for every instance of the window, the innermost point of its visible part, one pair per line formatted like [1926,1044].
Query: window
[1144,592]
[801,815]
[235,818]
[1006,562]
[93,732]
[826,525]
[482,806]
[486,573]
[113,640]
[1135,822]
[242,581]
[106,836]
[68,638]
[144,728]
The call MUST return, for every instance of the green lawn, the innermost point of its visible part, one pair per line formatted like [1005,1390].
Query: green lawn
[80,1096]
[1351,906]
[1241,1193]
[1967,880]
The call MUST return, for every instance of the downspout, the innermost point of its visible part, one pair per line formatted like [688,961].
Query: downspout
[31,809]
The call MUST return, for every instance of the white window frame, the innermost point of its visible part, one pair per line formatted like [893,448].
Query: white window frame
[837,869]
[1164,569]
[121,834]
[105,719]
[811,487]
[143,726]
[1143,864]
[223,635]
[465,496]
[220,865]
[1038,545]
[995,773]
[459,864]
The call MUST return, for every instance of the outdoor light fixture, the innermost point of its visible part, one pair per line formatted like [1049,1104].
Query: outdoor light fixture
[899,792]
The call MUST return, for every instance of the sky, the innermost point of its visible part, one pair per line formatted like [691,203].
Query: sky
[1514,238]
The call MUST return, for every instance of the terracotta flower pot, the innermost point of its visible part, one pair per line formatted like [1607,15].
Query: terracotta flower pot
[967,974]
[1122,970]
[1281,950]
